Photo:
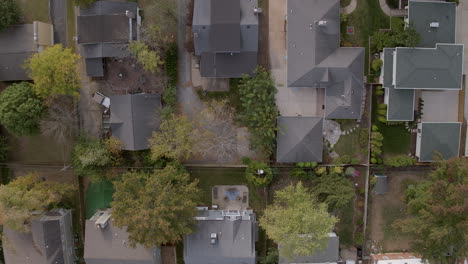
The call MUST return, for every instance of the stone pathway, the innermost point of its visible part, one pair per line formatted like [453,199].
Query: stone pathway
[349,8]
[392,12]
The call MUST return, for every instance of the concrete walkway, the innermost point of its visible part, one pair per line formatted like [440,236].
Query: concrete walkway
[392,12]
[349,8]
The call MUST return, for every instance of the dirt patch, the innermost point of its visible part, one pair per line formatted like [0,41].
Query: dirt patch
[168,255]
[125,75]
[386,208]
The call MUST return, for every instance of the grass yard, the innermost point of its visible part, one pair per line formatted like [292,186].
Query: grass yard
[397,23]
[34,10]
[232,96]
[344,228]
[353,145]
[98,196]
[70,24]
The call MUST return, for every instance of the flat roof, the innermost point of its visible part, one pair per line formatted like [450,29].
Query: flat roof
[438,68]
[443,138]
[443,14]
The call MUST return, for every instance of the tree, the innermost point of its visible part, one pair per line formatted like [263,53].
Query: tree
[258,109]
[93,158]
[258,173]
[83,3]
[3,149]
[20,109]
[438,213]
[399,37]
[61,120]
[149,59]
[54,72]
[334,189]
[297,222]
[9,13]
[376,65]
[27,196]
[162,205]
[175,140]
[399,161]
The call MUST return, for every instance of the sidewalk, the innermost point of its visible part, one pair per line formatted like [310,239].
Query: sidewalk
[392,12]
[349,8]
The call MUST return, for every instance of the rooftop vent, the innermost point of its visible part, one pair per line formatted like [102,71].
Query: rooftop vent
[257,10]
[434,24]
[130,14]
[103,220]
[322,23]
[213,238]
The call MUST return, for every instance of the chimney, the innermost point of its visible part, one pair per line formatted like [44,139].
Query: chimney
[434,24]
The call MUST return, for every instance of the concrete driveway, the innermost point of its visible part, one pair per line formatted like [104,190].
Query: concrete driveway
[290,101]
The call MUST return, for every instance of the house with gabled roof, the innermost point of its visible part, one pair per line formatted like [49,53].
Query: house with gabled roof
[433,70]
[104,31]
[49,240]
[18,43]
[225,35]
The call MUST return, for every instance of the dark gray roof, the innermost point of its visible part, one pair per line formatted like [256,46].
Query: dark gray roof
[105,31]
[226,65]
[422,13]
[16,45]
[328,255]
[443,138]
[134,117]
[315,58]
[299,139]
[235,243]
[110,245]
[49,242]
[429,68]
[400,105]
[226,37]
[381,186]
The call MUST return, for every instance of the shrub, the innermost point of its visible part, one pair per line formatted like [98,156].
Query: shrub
[350,171]
[259,174]
[298,173]
[148,58]
[9,13]
[169,96]
[3,149]
[377,65]
[170,60]
[321,170]
[399,161]
[245,160]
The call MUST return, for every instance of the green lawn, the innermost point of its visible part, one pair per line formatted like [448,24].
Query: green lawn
[353,146]
[344,228]
[34,10]
[397,22]
[98,196]
[70,24]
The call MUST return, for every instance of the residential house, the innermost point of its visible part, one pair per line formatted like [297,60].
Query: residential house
[315,60]
[134,118]
[49,240]
[104,31]
[222,236]
[225,35]
[396,258]
[108,244]
[328,255]
[18,43]
[427,79]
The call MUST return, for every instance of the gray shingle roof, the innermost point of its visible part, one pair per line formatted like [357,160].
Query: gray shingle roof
[381,186]
[235,242]
[422,14]
[328,255]
[443,138]
[400,106]
[49,242]
[111,246]
[315,58]
[108,28]
[299,139]
[134,117]
[226,37]
[429,68]
[16,45]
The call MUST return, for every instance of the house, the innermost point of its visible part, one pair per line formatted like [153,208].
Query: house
[134,118]
[18,43]
[316,60]
[328,255]
[225,35]
[108,244]
[396,258]
[50,240]
[299,139]
[222,236]
[104,31]
[381,184]
[427,79]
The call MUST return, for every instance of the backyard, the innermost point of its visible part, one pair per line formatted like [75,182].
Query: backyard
[34,10]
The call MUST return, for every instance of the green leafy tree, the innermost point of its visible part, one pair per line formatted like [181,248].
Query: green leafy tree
[162,205]
[55,72]
[9,13]
[3,149]
[258,109]
[83,3]
[258,173]
[297,222]
[27,196]
[20,109]
[439,213]
[175,139]
[334,189]
[399,161]
[149,59]
[93,158]
[407,37]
